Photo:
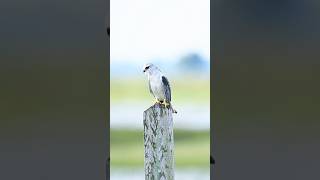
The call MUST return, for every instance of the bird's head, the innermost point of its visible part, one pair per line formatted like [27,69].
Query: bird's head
[150,69]
[147,67]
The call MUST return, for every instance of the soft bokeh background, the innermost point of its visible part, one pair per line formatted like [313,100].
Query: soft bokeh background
[174,35]
[266,89]
[53,74]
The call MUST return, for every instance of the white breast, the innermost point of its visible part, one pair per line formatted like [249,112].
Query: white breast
[156,86]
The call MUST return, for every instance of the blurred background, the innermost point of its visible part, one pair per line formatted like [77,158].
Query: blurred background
[175,36]
[54,106]
[266,89]
[53,71]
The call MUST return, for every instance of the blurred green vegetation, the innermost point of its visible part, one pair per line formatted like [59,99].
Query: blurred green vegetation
[192,148]
[188,89]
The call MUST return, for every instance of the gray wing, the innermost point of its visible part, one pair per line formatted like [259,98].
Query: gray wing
[167,90]
[150,89]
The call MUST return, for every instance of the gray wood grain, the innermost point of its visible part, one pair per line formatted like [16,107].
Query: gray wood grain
[158,143]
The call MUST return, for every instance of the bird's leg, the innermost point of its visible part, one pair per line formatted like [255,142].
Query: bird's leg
[166,104]
[157,101]
[160,102]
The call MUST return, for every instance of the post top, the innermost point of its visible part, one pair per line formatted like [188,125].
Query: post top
[157,107]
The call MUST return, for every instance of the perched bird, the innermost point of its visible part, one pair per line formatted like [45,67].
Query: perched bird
[158,85]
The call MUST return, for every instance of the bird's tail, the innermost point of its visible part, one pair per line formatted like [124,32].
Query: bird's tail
[173,110]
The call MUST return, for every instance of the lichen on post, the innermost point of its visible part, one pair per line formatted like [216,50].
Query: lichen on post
[158,143]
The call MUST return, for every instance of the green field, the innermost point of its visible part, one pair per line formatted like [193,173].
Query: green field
[192,148]
[183,90]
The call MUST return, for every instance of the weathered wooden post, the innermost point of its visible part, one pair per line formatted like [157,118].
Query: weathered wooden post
[158,143]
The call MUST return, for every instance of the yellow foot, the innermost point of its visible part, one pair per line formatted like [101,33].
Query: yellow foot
[166,104]
[157,102]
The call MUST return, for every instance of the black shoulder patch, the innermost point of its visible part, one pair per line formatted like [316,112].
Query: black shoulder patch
[167,89]
[165,81]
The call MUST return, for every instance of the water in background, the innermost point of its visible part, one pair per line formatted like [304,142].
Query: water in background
[188,116]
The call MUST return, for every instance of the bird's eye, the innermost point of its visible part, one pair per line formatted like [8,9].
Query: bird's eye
[147,67]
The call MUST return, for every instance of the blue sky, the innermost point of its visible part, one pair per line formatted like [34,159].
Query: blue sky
[143,30]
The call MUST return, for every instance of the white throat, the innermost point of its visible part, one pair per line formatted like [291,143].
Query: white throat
[154,73]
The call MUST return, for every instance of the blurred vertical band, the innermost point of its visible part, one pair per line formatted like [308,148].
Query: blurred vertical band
[54,89]
[266,89]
